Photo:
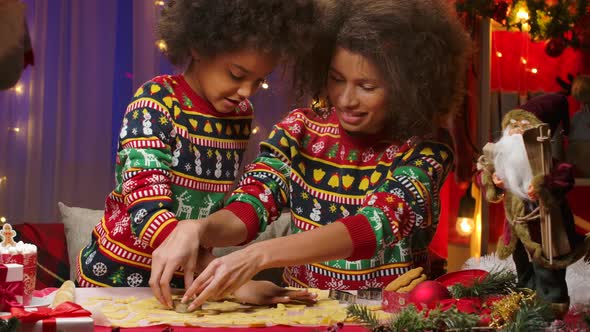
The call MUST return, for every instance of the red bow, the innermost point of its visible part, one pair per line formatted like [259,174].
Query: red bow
[66,309]
[9,291]
[48,315]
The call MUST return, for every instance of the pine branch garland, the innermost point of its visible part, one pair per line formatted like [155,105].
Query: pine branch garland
[559,19]
[496,282]
[455,320]
[363,314]
[534,316]
[9,325]
[411,320]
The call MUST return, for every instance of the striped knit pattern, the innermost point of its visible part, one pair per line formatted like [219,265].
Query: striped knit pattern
[177,159]
[310,164]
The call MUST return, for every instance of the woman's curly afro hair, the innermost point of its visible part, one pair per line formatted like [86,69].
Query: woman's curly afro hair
[212,27]
[419,46]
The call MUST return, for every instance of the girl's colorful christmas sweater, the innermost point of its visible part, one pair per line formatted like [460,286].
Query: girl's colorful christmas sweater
[385,194]
[177,158]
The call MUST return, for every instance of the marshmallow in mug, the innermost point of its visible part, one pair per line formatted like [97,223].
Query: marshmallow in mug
[20,248]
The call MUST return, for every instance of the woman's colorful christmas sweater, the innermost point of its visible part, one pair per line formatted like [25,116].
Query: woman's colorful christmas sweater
[386,195]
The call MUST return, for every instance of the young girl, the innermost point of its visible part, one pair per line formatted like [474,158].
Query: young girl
[361,178]
[183,136]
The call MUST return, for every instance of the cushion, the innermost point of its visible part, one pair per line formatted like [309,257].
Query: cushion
[78,224]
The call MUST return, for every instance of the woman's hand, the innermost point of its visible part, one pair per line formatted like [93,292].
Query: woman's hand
[266,292]
[224,275]
[179,250]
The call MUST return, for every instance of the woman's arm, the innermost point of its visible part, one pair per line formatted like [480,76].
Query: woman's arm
[406,204]
[225,274]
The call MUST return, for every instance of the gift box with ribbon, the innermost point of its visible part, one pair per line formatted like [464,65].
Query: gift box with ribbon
[11,286]
[66,317]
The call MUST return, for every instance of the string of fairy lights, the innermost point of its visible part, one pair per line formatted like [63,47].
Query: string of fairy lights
[19,90]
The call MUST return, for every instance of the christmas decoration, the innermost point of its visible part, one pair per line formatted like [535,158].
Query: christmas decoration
[562,22]
[555,46]
[428,293]
[521,311]
[413,320]
[488,302]
[9,325]
[496,282]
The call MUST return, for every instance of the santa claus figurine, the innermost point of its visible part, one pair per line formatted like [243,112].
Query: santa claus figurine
[505,174]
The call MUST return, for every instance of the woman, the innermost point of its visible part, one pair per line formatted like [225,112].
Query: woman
[361,177]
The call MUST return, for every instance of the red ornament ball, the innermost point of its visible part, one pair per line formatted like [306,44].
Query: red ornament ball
[428,294]
[555,47]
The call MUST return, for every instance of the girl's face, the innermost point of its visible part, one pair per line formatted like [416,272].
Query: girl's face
[358,93]
[224,80]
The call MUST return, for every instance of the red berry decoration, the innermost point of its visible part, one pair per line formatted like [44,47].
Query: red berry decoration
[428,294]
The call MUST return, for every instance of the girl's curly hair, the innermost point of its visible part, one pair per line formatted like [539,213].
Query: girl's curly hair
[419,46]
[218,26]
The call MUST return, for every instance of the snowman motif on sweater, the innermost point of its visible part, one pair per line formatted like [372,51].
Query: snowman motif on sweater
[147,123]
[123,133]
[316,213]
[198,167]
[176,153]
[236,164]
[218,171]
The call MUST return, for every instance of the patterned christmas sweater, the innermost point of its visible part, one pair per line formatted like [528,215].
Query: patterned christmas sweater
[177,158]
[385,194]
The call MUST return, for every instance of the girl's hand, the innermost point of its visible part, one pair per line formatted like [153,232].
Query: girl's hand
[179,250]
[266,292]
[224,275]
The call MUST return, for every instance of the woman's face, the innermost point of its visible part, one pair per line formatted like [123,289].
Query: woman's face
[358,93]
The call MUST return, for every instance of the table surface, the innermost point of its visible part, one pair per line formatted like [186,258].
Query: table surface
[82,295]
[209,329]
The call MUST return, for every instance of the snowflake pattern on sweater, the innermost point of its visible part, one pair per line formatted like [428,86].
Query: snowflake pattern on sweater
[177,158]
[311,165]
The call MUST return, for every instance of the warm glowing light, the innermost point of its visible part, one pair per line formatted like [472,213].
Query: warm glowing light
[526,27]
[534,70]
[499,54]
[465,226]
[161,45]
[15,129]
[2,219]
[19,89]
[159,3]
[523,60]
[255,130]
[264,85]
[522,14]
